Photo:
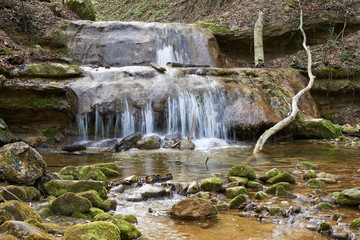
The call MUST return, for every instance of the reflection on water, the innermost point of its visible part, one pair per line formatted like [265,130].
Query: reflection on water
[188,166]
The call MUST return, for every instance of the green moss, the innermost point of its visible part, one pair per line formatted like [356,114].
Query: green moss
[94,230]
[211,184]
[40,102]
[272,173]
[91,172]
[349,197]
[282,177]
[316,128]
[281,192]
[324,226]
[215,26]
[128,231]
[314,183]
[305,165]
[95,211]
[355,223]
[20,211]
[237,201]
[242,171]
[273,211]
[324,206]
[93,197]
[109,173]
[261,195]
[103,217]
[72,171]
[235,191]
[310,174]
[333,73]
[79,215]
[49,132]
[66,177]
[272,188]
[253,184]
[130,218]
[338,216]
[58,187]
[53,70]
[112,166]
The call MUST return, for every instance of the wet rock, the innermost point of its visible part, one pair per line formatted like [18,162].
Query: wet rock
[272,173]
[68,203]
[24,230]
[109,173]
[333,197]
[205,195]
[135,198]
[261,195]
[82,8]
[5,135]
[193,208]
[158,178]
[150,142]
[58,187]
[324,226]
[13,193]
[349,197]
[242,171]
[254,185]
[305,166]
[73,148]
[235,191]
[281,192]
[237,201]
[272,188]
[170,140]
[19,211]
[223,207]
[110,204]
[156,193]
[127,230]
[324,206]
[73,171]
[211,184]
[91,172]
[55,228]
[130,218]
[310,174]
[93,197]
[240,180]
[327,180]
[20,163]
[193,188]
[339,235]
[119,189]
[50,70]
[127,142]
[314,183]
[355,223]
[338,217]
[93,230]
[282,177]
[231,184]
[187,144]
[316,128]
[130,180]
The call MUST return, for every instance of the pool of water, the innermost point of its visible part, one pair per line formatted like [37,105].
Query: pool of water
[187,166]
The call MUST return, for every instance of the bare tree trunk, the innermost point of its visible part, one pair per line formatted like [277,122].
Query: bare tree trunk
[286,121]
[258,41]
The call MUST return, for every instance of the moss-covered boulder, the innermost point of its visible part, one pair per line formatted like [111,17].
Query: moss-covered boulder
[349,197]
[193,208]
[186,144]
[310,174]
[261,195]
[130,218]
[93,197]
[23,230]
[5,135]
[355,223]
[324,226]
[55,228]
[20,211]
[316,128]
[272,173]
[240,180]
[91,172]
[211,184]
[150,142]
[193,188]
[305,166]
[237,201]
[282,177]
[35,223]
[272,188]
[94,211]
[73,171]
[109,173]
[68,203]
[235,191]
[58,187]
[20,192]
[314,183]
[127,230]
[20,163]
[103,217]
[82,8]
[110,204]
[94,230]
[254,185]
[282,192]
[324,206]
[50,70]
[242,171]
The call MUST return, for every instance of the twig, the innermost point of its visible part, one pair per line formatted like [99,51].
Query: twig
[342,32]
[4,189]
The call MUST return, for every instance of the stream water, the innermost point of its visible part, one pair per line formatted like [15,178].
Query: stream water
[187,166]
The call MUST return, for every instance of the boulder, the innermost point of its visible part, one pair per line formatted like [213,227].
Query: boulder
[193,208]
[20,163]
[82,8]
[110,204]
[237,201]
[242,171]
[20,192]
[316,128]
[211,184]
[58,187]
[55,228]
[19,211]
[49,70]
[69,203]
[355,223]
[150,142]
[240,180]
[253,184]
[261,195]
[127,142]
[93,197]
[170,140]
[94,230]
[305,166]
[93,212]
[91,172]
[73,171]
[349,197]
[272,188]
[103,217]
[24,230]
[235,191]
[127,230]
[5,135]
[187,144]
[282,192]
[193,188]
[282,177]
[314,183]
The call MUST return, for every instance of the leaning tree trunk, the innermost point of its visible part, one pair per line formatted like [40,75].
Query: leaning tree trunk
[258,41]
[286,121]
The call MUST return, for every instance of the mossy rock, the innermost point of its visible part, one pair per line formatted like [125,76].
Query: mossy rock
[59,187]
[95,211]
[79,215]
[66,177]
[355,223]
[5,135]
[272,188]
[324,226]
[310,174]
[94,230]
[93,197]
[112,166]
[14,193]
[55,228]
[109,173]
[35,223]
[305,166]
[82,8]
[235,191]
[73,171]
[272,173]
[324,206]
[282,177]
[237,201]
[186,144]
[91,172]
[261,195]
[241,180]
[52,70]
[131,218]
[349,197]
[103,217]
[211,184]
[68,203]
[110,204]
[215,26]
[193,188]
[242,171]
[32,194]
[128,231]
[20,211]
[316,128]
[273,211]
[254,185]
[338,216]
[23,230]
[5,236]
[314,183]
[282,192]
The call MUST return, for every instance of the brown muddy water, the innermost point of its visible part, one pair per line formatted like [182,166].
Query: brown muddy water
[187,166]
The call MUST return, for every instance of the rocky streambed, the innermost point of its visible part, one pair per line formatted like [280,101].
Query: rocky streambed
[133,194]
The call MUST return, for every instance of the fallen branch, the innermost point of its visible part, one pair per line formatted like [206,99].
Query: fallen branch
[173,64]
[286,121]
[11,194]
[157,67]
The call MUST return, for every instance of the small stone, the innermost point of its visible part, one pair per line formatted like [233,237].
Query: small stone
[237,201]
[273,210]
[193,188]
[253,184]
[211,184]
[355,223]
[324,206]
[310,174]
[305,166]
[110,204]
[281,192]
[272,188]
[235,191]
[324,226]
[314,183]
[242,171]
[282,177]
[261,195]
